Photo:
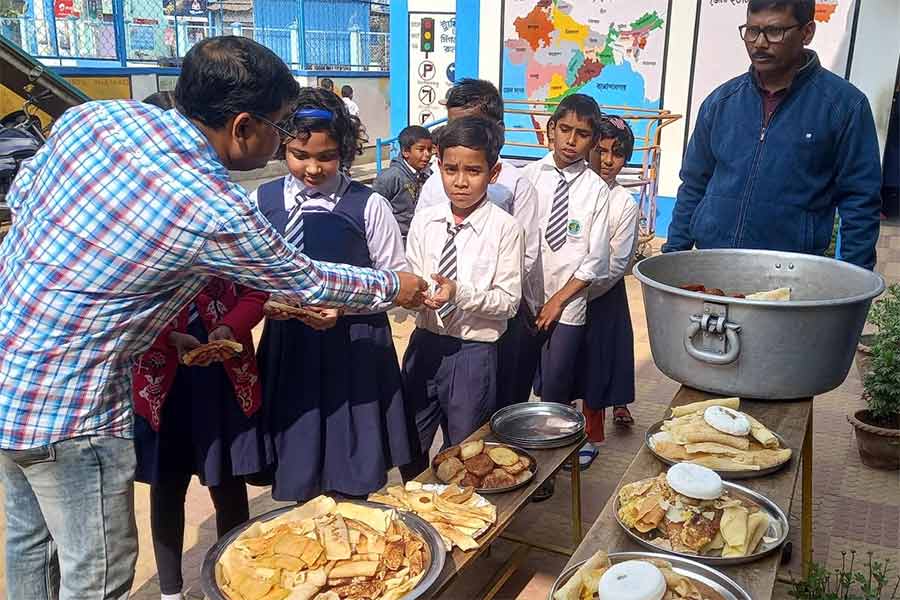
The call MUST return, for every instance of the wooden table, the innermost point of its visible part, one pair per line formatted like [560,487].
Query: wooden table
[790,419]
[508,505]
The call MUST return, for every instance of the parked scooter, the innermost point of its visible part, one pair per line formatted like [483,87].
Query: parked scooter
[21,134]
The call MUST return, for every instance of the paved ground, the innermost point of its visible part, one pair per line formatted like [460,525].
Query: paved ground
[855,507]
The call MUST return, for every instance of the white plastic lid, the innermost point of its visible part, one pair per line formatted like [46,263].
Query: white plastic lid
[727,420]
[632,580]
[694,481]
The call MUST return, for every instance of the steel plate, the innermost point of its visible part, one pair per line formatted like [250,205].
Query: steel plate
[657,427]
[433,541]
[778,529]
[538,425]
[517,449]
[701,574]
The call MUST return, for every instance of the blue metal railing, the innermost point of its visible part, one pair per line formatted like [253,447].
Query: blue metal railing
[380,144]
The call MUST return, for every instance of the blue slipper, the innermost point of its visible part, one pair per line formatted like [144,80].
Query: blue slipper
[586,457]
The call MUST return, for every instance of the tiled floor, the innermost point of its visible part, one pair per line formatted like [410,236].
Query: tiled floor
[855,507]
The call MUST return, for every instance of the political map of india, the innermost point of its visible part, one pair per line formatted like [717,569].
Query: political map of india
[611,50]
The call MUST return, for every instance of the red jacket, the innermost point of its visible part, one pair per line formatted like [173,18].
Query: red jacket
[220,303]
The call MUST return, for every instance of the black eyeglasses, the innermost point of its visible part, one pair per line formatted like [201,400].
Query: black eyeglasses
[772,33]
[283,133]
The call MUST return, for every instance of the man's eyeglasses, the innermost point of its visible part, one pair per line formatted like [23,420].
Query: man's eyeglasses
[283,133]
[772,33]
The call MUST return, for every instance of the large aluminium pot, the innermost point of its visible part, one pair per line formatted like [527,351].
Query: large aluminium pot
[750,348]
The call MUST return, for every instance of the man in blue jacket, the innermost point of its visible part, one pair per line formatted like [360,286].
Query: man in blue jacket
[775,151]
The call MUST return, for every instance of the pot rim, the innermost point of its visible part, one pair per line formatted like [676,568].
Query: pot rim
[859,424]
[644,279]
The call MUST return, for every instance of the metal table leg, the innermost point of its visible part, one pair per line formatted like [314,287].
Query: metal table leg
[576,500]
[806,520]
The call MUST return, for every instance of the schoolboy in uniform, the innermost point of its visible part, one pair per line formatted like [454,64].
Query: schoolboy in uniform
[513,193]
[573,215]
[473,251]
[402,182]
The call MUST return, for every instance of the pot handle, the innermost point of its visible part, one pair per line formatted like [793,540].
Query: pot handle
[733,341]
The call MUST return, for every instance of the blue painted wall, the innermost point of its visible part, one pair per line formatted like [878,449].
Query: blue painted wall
[468,30]
[399,65]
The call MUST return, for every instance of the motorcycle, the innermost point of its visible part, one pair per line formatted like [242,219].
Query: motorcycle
[21,135]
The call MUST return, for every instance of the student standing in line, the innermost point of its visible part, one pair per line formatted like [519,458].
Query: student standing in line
[473,251]
[347,97]
[331,380]
[512,192]
[402,182]
[573,209]
[198,420]
[605,371]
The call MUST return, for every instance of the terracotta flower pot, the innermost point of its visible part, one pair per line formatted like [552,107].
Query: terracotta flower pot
[879,447]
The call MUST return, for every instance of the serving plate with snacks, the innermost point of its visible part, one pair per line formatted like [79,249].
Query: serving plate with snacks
[717,435]
[326,550]
[643,575]
[458,514]
[690,512]
[488,467]
[215,351]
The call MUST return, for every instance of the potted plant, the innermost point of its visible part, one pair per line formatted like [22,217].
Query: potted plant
[878,425]
[846,583]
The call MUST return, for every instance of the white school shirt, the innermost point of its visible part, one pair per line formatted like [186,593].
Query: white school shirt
[513,193]
[352,106]
[624,215]
[585,254]
[489,252]
[382,232]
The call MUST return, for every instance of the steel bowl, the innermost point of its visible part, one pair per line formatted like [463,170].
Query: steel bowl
[755,348]
[746,474]
[779,528]
[701,575]
[433,542]
[527,425]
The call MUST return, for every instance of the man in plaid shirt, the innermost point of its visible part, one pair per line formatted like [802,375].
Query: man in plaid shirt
[119,220]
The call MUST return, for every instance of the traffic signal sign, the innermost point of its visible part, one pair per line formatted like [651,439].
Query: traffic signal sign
[427,35]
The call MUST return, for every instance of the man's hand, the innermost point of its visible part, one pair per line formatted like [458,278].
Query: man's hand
[222,332]
[550,314]
[183,342]
[321,319]
[445,292]
[412,290]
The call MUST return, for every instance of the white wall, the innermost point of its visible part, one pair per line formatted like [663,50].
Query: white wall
[873,68]
[435,5]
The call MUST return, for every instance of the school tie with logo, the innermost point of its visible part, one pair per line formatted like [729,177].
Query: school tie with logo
[559,215]
[293,232]
[447,266]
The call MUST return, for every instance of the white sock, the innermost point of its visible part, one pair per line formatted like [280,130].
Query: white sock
[177,596]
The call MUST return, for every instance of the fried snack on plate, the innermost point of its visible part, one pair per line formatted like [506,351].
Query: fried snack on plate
[469,449]
[699,407]
[324,551]
[451,452]
[503,456]
[479,465]
[449,469]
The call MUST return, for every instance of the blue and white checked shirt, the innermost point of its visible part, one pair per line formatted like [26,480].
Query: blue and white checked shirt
[118,222]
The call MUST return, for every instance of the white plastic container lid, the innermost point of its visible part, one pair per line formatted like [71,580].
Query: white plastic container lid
[632,580]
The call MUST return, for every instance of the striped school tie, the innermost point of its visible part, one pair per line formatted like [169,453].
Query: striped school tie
[447,266]
[293,232]
[559,215]
[193,314]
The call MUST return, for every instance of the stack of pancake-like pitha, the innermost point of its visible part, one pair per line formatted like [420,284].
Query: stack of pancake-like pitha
[687,437]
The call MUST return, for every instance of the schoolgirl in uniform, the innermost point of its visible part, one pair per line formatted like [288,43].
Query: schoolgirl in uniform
[198,420]
[606,363]
[331,381]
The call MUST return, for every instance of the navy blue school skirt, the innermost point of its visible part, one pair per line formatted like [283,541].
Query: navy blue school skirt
[333,406]
[203,430]
[605,368]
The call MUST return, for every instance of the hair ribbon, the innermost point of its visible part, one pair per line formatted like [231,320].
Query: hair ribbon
[314,113]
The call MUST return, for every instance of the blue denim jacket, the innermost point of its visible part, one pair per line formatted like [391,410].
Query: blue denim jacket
[776,186]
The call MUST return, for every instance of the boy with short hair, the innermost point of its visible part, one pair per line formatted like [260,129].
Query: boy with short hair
[473,251]
[573,215]
[402,182]
[513,193]
[347,97]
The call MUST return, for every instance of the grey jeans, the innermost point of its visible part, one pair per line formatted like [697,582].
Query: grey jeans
[70,529]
